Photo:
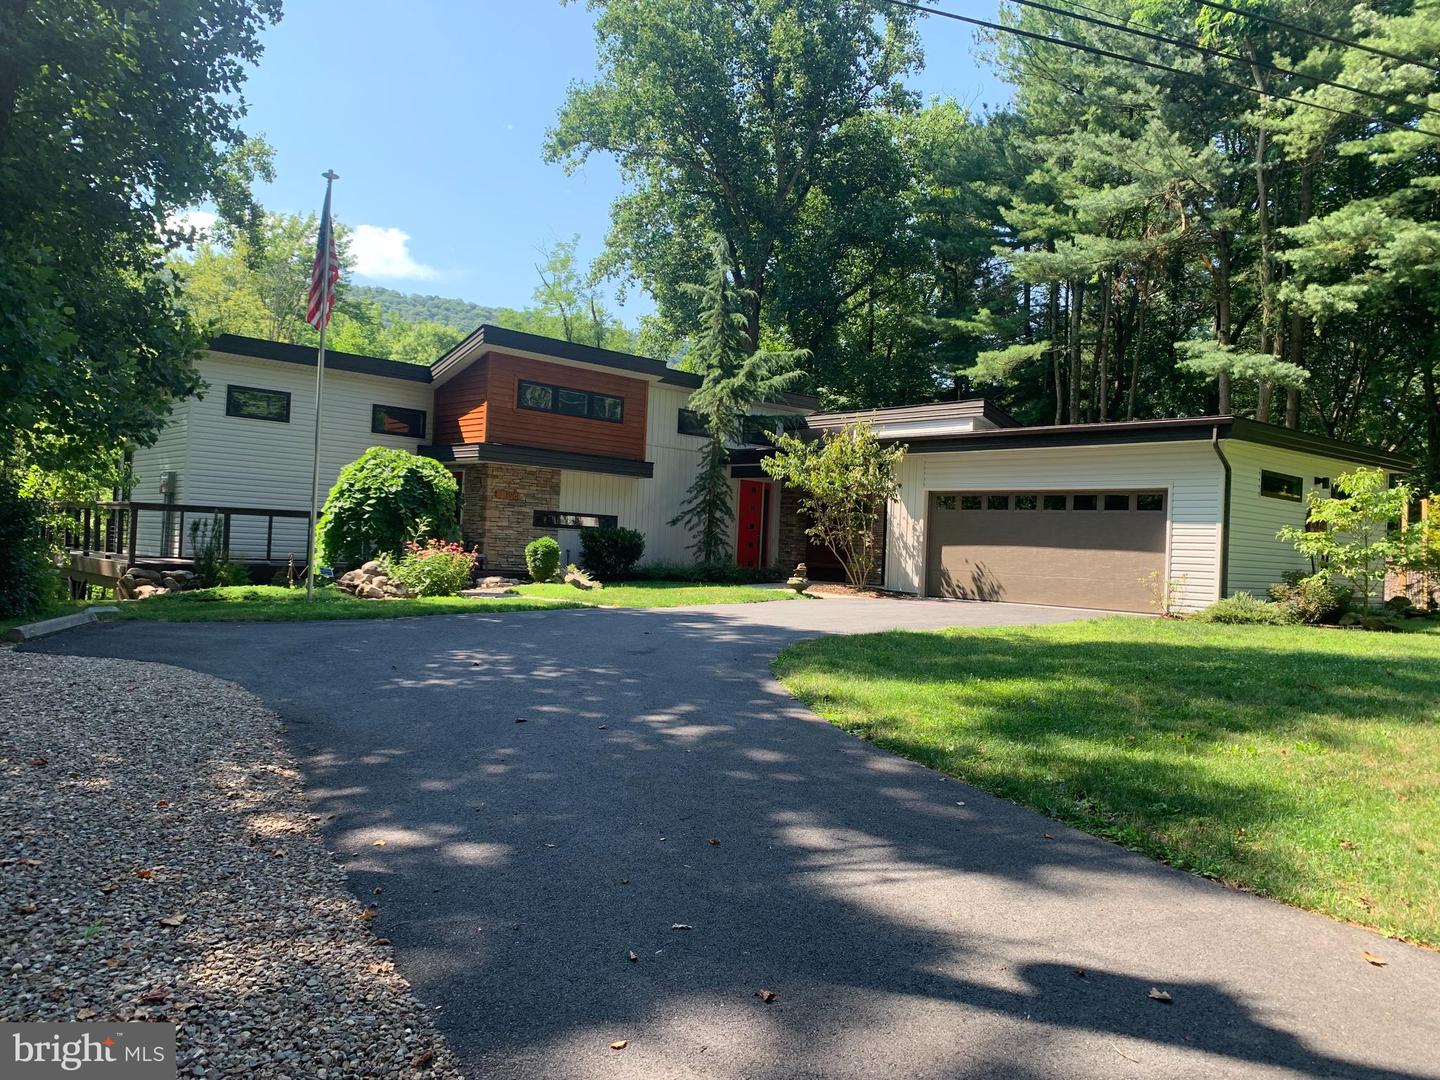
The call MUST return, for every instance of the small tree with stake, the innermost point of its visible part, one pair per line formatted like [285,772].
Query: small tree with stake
[845,481]
[732,380]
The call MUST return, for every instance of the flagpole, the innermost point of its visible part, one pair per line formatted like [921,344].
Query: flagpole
[330,179]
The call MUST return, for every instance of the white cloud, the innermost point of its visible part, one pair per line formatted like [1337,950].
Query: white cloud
[385,253]
[202,220]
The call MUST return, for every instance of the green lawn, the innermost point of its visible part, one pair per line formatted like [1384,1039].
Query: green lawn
[652,594]
[275,603]
[52,611]
[1301,763]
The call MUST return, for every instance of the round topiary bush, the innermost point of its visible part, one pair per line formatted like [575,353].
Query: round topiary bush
[382,499]
[542,558]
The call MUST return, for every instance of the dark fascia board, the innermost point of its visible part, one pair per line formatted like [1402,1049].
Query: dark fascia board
[935,410]
[468,453]
[1303,441]
[487,336]
[238,345]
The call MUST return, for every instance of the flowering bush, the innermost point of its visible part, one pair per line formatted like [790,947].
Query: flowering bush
[436,568]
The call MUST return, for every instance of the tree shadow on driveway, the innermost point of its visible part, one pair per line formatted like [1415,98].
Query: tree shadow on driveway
[910,925]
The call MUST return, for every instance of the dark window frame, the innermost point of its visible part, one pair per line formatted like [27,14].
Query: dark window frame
[1287,480]
[698,422]
[232,410]
[591,413]
[571,519]
[377,424]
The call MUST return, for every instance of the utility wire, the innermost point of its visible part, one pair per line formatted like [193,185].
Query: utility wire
[1207,50]
[1295,28]
[1154,66]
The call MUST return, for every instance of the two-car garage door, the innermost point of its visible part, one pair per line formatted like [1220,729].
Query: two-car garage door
[1089,549]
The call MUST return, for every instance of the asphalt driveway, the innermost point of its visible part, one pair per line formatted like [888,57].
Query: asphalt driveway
[550,788]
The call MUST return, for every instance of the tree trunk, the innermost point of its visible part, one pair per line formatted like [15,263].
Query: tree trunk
[1102,374]
[1136,346]
[1222,316]
[1299,325]
[1052,331]
[1077,305]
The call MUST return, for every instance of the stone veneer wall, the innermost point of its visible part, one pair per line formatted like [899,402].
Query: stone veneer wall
[791,543]
[498,508]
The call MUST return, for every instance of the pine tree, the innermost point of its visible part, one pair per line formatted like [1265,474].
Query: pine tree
[733,379]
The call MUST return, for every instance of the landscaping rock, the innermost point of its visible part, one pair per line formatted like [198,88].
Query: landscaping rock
[172,872]
[371,568]
[144,592]
[370,582]
[580,579]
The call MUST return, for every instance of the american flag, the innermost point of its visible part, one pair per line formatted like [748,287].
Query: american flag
[326,272]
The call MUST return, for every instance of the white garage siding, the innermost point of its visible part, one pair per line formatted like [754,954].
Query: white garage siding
[148,462]
[1190,472]
[1257,559]
[234,461]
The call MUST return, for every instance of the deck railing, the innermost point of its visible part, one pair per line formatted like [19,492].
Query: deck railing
[114,528]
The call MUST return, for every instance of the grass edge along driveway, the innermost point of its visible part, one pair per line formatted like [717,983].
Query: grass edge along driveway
[1302,764]
[273,603]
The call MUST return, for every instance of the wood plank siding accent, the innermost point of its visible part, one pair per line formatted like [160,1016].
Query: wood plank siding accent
[461,405]
[481,408]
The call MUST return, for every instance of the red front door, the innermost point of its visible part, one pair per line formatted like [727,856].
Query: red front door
[750,541]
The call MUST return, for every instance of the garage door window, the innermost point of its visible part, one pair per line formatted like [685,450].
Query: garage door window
[1152,501]
[944,502]
[970,502]
[997,502]
[1054,502]
[1117,502]
[1026,502]
[1084,502]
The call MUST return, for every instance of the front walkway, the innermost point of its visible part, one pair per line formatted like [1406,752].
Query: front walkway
[910,926]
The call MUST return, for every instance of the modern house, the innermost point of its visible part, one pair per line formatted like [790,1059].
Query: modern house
[547,437]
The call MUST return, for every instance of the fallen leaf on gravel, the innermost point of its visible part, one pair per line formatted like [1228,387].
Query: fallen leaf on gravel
[713,842]
[157,995]
[619,1044]
[420,1060]
[163,804]
[378,843]
[39,762]
[1159,995]
[173,920]
[1371,958]
[1049,837]
[377,890]
[112,962]
[681,926]
[767,996]
[25,909]
[369,913]
[382,941]
[632,957]
[142,873]
[278,853]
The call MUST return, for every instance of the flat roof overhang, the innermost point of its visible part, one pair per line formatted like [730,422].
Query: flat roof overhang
[477,453]
[1187,429]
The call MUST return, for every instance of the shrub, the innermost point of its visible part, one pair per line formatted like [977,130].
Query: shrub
[611,553]
[232,573]
[542,558]
[435,569]
[1242,608]
[28,580]
[382,499]
[1312,598]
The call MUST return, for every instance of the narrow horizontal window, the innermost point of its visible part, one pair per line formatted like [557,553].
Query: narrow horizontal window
[1117,502]
[1027,502]
[1275,485]
[393,420]
[1084,502]
[997,502]
[565,519]
[691,422]
[944,502]
[970,502]
[253,403]
[568,401]
[1054,502]
[1150,501]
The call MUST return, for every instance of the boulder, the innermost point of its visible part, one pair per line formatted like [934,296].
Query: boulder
[144,592]
[350,577]
[580,579]
[139,573]
[182,575]
[370,592]
[371,568]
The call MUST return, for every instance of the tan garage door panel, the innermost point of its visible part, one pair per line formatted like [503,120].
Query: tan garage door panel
[997,546]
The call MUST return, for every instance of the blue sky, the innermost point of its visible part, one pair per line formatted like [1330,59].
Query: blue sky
[434,114]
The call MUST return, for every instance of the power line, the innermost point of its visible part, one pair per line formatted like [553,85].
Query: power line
[1207,50]
[1154,66]
[1321,34]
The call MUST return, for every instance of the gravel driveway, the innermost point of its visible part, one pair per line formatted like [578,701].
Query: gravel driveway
[161,863]
[548,786]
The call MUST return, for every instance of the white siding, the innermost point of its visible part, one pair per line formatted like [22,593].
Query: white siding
[1257,559]
[171,453]
[235,461]
[1189,471]
[640,503]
